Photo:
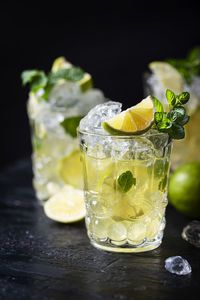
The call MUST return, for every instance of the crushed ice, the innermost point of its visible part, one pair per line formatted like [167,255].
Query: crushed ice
[93,121]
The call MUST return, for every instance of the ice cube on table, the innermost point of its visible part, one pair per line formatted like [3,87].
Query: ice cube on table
[93,121]
[177,265]
[191,233]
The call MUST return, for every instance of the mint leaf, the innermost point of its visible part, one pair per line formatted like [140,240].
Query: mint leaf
[164,126]
[28,75]
[36,79]
[194,54]
[36,143]
[181,116]
[184,97]
[188,67]
[70,125]
[159,116]
[172,116]
[171,98]
[38,82]
[186,74]
[173,121]
[125,181]
[184,120]
[72,74]
[177,132]
[158,104]
[47,90]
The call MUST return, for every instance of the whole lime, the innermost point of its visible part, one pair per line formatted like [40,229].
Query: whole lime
[184,189]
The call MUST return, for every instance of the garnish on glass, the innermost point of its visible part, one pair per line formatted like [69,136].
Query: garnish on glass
[189,66]
[39,80]
[172,122]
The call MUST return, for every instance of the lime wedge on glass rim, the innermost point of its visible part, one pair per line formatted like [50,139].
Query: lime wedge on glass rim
[133,121]
[167,76]
[66,206]
[61,63]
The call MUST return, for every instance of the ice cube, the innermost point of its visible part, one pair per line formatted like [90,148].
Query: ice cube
[99,228]
[93,121]
[191,233]
[117,232]
[194,91]
[96,208]
[89,99]
[160,142]
[195,86]
[136,232]
[65,95]
[177,265]
[156,89]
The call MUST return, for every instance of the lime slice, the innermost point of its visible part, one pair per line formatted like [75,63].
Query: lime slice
[61,63]
[66,206]
[168,76]
[70,170]
[86,82]
[133,121]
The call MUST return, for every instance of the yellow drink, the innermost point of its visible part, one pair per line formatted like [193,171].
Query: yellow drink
[131,221]
[187,150]
[55,156]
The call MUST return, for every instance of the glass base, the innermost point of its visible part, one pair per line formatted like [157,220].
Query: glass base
[128,249]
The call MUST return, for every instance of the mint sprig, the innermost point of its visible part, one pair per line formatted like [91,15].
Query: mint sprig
[70,125]
[38,79]
[173,121]
[189,66]
[72,74]
[125,181]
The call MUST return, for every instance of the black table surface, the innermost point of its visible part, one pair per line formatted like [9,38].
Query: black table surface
[42,259]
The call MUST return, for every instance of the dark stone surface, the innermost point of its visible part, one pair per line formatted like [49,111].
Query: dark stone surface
[41,259]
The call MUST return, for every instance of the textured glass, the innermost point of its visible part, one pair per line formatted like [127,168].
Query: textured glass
[131,221]
[55,156]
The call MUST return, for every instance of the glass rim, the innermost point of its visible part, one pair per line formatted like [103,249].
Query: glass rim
[158,133]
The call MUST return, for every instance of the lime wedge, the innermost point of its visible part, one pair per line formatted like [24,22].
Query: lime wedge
[133,121]
[168,76]
[66,206]
[86,82]
[60,63]
[70,170]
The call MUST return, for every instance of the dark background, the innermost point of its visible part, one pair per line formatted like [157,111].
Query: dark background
[113,42]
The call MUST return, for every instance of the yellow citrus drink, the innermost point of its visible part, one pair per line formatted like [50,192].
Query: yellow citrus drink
[56,156]
[57,101]
[125,181]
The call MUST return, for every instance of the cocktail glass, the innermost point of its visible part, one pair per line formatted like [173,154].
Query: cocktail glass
[131,221]
[56,156]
